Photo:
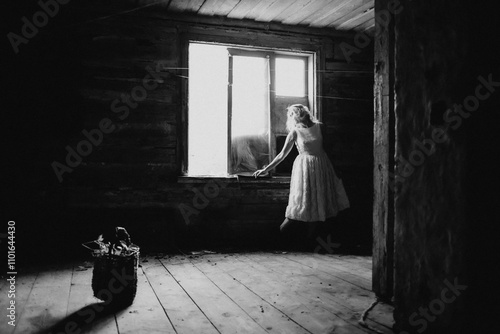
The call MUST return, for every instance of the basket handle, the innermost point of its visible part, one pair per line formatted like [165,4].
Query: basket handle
[85,244]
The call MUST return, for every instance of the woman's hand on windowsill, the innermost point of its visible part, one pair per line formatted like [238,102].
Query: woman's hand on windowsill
[259,172]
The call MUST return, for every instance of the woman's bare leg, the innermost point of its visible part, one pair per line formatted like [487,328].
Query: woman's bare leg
[285,225]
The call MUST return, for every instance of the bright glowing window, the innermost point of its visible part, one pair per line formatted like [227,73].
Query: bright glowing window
[207,140]
[236,103]
[291,79]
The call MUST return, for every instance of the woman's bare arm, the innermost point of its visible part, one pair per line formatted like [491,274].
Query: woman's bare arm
[287,147]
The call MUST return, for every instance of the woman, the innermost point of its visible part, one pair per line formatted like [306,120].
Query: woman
[316,193]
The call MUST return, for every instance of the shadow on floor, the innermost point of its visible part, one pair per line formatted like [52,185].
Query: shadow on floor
[85,319]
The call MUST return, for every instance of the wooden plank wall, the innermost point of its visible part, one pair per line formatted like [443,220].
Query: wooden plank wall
[384,147]
[347,106]
[110,49]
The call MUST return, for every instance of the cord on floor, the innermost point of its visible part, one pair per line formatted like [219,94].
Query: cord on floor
[365,314]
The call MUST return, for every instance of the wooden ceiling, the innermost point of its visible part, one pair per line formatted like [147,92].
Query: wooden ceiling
[355,15]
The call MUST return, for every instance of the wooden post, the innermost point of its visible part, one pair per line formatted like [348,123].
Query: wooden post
[383,150]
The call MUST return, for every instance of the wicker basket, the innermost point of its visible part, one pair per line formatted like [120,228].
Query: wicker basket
[114,279]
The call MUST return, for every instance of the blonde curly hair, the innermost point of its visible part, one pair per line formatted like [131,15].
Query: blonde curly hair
[298,114]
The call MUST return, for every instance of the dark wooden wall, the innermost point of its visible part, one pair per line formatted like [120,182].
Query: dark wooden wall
[383,153]
[65,80]
[446,205]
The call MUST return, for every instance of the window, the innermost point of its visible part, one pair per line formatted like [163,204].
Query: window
[236,105]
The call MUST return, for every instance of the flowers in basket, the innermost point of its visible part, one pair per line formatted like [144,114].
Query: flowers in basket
[119,244]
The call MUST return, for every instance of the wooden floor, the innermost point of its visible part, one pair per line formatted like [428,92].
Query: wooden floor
[209,293]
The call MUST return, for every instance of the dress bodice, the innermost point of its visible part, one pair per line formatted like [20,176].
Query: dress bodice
[309,140]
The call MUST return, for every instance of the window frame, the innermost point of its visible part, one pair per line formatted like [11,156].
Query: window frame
[286,47]
[244,52]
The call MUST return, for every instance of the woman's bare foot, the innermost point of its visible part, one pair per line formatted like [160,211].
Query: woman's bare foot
[285,225]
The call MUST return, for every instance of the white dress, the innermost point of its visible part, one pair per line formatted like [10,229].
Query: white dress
[316,193]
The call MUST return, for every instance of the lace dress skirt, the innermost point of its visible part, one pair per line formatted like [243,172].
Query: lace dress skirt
[316,193]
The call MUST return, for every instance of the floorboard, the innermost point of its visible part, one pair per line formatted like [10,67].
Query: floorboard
[260,292]
[263,312]
[332,267]
[47,301]
[288,297]
[24,285]
[340,297]
[181,309]
[146,314]
[224,313]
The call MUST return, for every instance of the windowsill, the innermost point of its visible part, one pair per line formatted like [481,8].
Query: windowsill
[233,179]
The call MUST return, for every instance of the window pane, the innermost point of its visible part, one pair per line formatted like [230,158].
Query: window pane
[291,77]
[207,123]
[250,114]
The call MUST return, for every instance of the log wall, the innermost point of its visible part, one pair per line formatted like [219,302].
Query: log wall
[383,155]
[86,64]
[445,199]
